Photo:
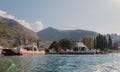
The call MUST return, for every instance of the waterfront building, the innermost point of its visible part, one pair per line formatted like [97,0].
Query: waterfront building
[79,46]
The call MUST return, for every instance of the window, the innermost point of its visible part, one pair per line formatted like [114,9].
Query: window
[35,49]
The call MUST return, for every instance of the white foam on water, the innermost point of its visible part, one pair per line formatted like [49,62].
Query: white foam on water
[105,67]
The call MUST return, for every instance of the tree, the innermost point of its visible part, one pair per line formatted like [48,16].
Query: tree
[95,43]
[88,41]
[65,44]
[105,44]
[101,42]
[54,45]
[109,42]
[38,44]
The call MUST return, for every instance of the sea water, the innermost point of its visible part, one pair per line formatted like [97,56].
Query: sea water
[62,63]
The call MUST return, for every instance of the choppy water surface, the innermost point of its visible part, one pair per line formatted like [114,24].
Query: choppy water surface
[62,63]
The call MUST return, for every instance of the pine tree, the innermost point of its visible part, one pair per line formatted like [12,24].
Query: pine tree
[105,44]
[95,43]
[101,42]
[109,42]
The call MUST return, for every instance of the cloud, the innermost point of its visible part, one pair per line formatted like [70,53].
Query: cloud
[4,14]
[38,26]
[22,22]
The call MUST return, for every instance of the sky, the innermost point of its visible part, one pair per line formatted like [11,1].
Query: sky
[102,16]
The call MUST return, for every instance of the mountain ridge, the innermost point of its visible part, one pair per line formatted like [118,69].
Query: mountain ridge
[55,34]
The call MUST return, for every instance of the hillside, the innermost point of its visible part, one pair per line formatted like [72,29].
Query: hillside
[9,35]
[54,34]
[18,26]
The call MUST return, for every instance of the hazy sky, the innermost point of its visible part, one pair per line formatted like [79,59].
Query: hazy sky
[97,15]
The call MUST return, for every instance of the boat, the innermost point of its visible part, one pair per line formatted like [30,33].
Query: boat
[80,52]
[30,49]
[79,48]
[8,52]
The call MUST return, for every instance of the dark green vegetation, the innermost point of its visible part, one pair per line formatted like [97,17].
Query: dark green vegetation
[63,43]
[10,36]
[110,46]
[102,43]
[54,46]
[54,34]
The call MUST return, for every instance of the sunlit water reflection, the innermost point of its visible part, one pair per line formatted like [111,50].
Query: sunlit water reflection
[62,63]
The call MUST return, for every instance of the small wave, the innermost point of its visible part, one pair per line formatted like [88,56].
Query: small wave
[105,67]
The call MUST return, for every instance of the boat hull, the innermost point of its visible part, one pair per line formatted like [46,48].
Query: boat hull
[9,52]
[31,53]
[79,53]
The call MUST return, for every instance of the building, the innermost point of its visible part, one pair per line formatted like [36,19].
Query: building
[79,46]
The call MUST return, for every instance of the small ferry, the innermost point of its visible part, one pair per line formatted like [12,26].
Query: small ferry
[30,49]
[79,48]
[8,52]
[80,52]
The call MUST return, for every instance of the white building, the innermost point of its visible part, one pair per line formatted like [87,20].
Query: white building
[78,46]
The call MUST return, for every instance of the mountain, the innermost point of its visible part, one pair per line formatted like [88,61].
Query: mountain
[13,23]
[54,34]
[9,36]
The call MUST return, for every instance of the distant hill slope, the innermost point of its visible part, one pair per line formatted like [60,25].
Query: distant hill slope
[54,34]
[18,26]
[9,35]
